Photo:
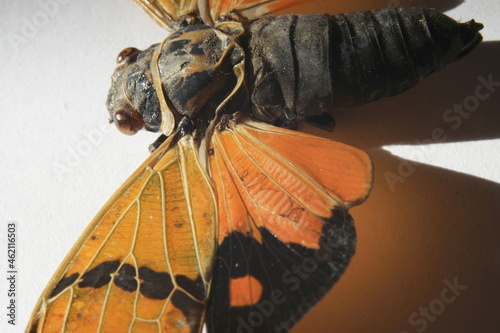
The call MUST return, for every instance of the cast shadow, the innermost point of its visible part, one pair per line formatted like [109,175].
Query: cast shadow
[432,226]
[429,225]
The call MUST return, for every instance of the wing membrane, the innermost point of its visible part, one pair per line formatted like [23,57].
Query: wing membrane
[167,12]
[286,236]
[145,263]
[255,8]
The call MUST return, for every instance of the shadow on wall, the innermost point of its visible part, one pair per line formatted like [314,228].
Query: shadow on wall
[428,256]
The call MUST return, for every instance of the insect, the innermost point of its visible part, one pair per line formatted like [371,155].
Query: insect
[232,221]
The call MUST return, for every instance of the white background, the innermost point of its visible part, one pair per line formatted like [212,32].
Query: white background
[60,159]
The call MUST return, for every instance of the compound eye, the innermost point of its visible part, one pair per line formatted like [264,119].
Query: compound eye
[129,54]
[127,121]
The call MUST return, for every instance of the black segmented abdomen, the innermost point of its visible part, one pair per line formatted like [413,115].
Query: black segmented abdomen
[290,59]
[308,64]
[383,53]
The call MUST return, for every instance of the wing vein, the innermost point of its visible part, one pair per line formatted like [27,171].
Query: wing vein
[66,313]
[165,247]
[185,185]
[111,232]
[273,180]
[310,181]
[236,179]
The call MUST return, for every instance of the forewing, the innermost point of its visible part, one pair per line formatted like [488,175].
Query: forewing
[285,235]
[145,262]
[252,8]
[167,12]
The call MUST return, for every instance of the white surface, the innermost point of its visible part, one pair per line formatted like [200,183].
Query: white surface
[60,160]
[467,157]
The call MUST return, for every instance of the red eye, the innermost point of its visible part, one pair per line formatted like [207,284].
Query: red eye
[128,121]
[128,54]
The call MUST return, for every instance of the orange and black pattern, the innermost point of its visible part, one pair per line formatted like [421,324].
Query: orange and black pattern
[150,262]
[145,263]
[284,232]
[234,224]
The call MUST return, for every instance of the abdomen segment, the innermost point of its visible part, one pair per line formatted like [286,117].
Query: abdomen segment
[309,64]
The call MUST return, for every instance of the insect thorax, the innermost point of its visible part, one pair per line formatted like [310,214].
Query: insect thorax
[198,69]
[193,73]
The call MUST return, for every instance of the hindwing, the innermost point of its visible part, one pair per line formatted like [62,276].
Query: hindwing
[285,235]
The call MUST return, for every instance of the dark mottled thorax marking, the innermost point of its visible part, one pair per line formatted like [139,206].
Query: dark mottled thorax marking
[197,71]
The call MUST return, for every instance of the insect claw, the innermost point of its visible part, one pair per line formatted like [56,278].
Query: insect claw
[152,147]
[185,126]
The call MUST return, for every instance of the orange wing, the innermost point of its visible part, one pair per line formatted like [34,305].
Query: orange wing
[145,262]
[284,234]
[149,260]
[167,12]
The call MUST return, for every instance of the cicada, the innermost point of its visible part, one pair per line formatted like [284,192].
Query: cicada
[233,222]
